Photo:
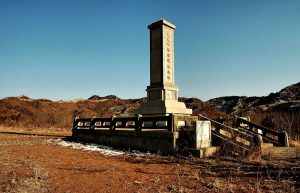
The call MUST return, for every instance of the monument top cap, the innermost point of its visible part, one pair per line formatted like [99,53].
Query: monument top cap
[161,22]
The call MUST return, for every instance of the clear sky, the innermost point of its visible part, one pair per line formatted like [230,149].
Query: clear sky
[67,49]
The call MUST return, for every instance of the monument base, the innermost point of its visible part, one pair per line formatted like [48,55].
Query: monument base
[163,107]
[153,141]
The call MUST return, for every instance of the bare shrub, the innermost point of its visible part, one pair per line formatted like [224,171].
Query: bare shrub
[281,120]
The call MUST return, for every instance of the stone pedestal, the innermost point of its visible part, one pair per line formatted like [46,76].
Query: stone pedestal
[162,94]
[203,146]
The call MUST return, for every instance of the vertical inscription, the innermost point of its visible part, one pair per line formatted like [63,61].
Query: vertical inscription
[168,55]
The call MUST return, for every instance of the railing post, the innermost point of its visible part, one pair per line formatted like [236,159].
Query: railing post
[171,123]
[112,124]
[257,143]
[138,124]
[75,122]
[92,124]
[283,139]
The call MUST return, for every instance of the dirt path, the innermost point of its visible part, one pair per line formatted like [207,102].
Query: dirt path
[30,163]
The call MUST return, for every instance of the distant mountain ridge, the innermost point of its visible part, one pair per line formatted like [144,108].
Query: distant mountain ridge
[288,99]
[24,111]
[96,97]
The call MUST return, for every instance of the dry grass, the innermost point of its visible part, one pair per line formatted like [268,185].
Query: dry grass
[294,143]
[36,182]
[49,167]
[36,131]
[19,174]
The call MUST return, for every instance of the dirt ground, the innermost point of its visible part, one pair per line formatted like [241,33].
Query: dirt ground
[30,162]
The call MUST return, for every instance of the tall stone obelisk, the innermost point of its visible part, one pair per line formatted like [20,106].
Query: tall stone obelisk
[162,94]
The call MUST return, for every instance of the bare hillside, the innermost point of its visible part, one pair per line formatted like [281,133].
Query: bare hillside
[24,111]
[280,110]
[286,99]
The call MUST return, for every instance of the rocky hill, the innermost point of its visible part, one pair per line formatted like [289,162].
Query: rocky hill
[279,111]
[286,99]
[96,97]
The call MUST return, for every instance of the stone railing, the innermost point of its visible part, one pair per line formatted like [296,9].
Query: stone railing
[240,139]
[137,123]
[269,135]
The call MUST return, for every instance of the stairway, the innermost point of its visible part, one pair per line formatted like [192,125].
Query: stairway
[239,140]
[250,137]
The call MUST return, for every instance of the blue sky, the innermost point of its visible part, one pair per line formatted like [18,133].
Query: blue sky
[67,49]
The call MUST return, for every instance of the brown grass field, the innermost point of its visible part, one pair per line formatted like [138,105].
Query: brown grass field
[29,162]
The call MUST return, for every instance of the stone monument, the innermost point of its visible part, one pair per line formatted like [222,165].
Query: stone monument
[162,94]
